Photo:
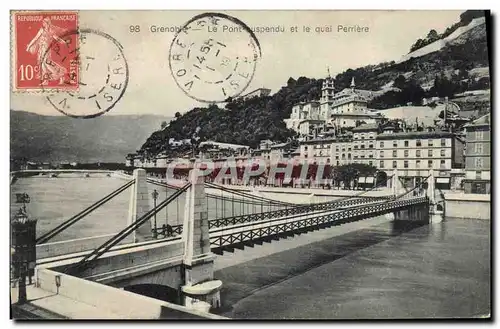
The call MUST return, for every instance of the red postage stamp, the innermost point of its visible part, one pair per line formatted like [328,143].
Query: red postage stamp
[46,50]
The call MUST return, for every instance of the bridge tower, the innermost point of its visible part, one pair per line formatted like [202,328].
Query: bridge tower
[198,260]
[139,205]
[435,215]
[396,184]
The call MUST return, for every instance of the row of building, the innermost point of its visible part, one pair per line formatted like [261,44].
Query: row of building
[458,160]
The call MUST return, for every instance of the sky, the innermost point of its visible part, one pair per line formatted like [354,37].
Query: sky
[152,89]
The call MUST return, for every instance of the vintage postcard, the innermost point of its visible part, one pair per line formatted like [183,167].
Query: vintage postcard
[250,164]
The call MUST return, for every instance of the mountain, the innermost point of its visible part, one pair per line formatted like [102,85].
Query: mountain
[60,138]
[454,63]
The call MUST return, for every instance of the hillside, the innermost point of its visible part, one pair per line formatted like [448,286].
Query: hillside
[459,64]
[240,122]
[60,138]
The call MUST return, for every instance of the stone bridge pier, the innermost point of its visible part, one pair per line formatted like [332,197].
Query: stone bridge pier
[417,214]
[194,275]
[198,263]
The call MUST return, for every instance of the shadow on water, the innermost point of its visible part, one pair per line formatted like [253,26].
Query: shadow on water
[243,280]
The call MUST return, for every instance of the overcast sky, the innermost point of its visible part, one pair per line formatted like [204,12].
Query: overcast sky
[152,89]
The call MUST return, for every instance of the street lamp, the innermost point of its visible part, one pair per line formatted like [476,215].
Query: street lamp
[155,196]
[23,250]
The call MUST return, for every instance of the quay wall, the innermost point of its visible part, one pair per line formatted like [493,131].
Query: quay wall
[469,206]
[126,305]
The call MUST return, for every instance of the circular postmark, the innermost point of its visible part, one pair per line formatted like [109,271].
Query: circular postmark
[97,66]
[213,57]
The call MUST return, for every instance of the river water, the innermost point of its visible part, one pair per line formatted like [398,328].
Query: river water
[434,271]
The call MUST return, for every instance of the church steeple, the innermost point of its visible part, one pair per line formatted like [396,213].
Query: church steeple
[353,85]
[327,90]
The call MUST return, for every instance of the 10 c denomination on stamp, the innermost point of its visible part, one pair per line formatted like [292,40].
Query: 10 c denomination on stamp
[44,56]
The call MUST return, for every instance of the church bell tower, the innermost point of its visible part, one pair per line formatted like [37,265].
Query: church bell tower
[327,92]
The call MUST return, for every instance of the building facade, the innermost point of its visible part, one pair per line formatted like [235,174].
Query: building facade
[414,154]
[346,109]
[478,156]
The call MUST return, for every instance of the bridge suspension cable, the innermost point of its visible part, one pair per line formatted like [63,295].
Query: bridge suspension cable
[105,247]
[64,225]
[248,195]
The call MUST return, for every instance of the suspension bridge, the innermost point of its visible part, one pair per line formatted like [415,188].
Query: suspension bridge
[179,255]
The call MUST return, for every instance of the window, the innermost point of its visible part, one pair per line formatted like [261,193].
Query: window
[381,164]
[418,164]
[419,142]
[478,148]
[343,156]
[355,147]
[336,157]
[429,153]
[337,148]
[443,163]
[478,135]
[431,142]
[443,153]
[362,146]
[479,162]
[338,163]
[418,153]
[443,141]
[478,174]
[407,143]
[349,156]
[305,148]
[406,153]
[370,163]
[429,163]
[370,146]
[394,153]
[381,144]
[406,164]
[349,148]
[370,155]
[394,164]
[381,154]
[395,144]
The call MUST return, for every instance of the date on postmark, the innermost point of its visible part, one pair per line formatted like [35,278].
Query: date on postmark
[44,51]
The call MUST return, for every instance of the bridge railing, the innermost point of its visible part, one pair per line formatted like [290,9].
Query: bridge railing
[305,221]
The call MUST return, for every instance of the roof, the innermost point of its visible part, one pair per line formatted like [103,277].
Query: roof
[354,114]
[227,145]
[366,127]
[276,146]
[311,121]
[416,135]
[485,120]
[412,114]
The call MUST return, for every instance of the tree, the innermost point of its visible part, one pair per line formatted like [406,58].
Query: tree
[163,124]
[400,81]
[177,115]
[432,36]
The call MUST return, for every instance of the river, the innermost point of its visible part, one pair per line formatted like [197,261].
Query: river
[434,271]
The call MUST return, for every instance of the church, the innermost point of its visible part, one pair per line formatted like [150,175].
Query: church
[345,109]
